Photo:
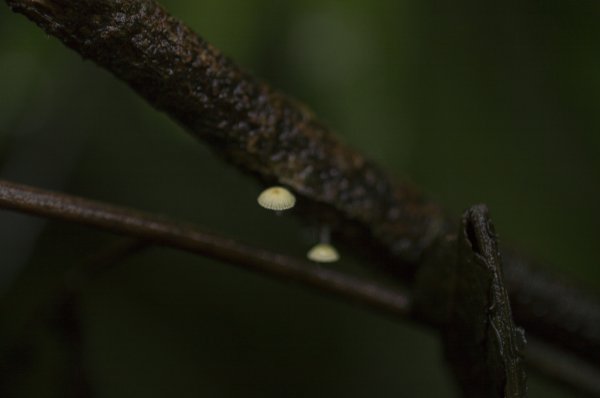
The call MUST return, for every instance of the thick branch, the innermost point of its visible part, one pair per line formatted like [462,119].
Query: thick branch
[551,309]
[562,368]
[277,139]
[253,126]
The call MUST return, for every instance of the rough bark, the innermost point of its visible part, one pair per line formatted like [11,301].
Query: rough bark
[481,342]
[253,126]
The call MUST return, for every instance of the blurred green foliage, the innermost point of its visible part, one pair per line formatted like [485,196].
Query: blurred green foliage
[472,101]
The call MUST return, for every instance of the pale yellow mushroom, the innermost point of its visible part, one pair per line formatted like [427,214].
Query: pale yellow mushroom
[277,199]
[323,253]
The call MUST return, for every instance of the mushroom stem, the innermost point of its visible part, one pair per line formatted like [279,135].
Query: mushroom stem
[325,234]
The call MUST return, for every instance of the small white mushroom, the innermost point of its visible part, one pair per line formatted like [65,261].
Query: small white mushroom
[323,253]
[277,199]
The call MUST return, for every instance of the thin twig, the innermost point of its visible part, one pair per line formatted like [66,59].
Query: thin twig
[57,310]
[164,231]
[80,276]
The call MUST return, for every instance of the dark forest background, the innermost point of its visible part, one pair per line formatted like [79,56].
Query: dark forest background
[472,101]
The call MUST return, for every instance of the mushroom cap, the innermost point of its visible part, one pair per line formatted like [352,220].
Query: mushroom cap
[276,198]
[323,253]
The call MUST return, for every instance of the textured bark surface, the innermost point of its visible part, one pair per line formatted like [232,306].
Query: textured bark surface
[482,343]
[276,139]
[243,119]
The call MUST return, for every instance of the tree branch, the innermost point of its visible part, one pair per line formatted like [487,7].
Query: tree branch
[562,368]
[257,128]
[277,139]
[481,342]
[163,231]
[146,227]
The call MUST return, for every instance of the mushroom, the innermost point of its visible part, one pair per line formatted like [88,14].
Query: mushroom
[276,198]
[323,252]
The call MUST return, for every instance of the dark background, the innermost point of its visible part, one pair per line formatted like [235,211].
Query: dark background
[472,101]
